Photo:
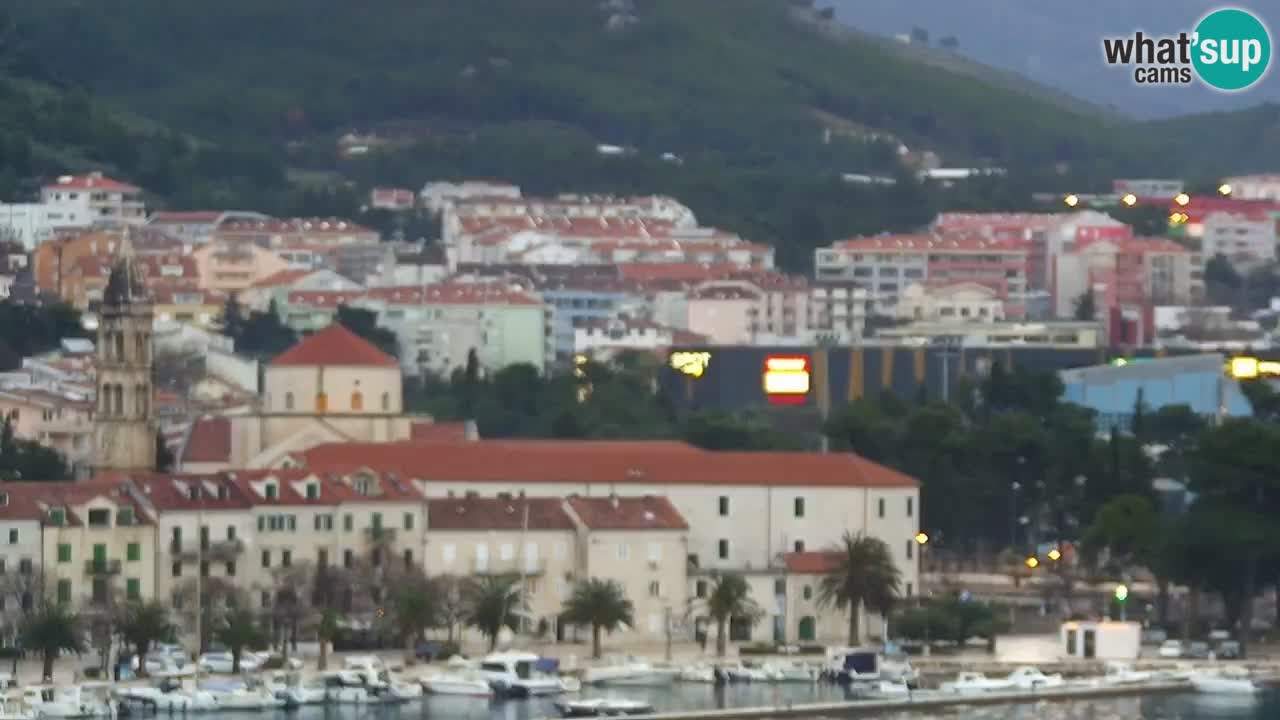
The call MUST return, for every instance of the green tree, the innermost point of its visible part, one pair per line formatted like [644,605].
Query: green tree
[414,608]
[730,599]
[22,459]
[238,629]
[264,334]
[327,629]
[1086,307]
[50,631]
[602,604]
[494,602]
[365,324]
[143,624]
[1129,528]
[865,576]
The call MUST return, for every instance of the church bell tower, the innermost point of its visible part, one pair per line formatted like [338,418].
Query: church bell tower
[124,431]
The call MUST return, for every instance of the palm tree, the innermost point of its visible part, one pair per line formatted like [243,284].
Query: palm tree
[603,605]
[49,631]
[414,608]
[865,576]
[494,602]
[143,624]
[326,631]
[238,630]
[730,597]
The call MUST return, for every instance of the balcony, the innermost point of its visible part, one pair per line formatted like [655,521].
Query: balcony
[208,552]
[381,534]
[102,567]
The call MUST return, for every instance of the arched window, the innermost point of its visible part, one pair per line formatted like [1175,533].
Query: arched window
[139,347]
[357,401]
[288,401]
[322,402]
[386,402]
[117,394]
[119,345]
[143,400]
[104,399]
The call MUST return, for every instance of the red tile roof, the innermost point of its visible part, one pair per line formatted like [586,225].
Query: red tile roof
[283,277]
[198,217]
[812,562]
[324,298]
[210,441]
[601,462]
[627,513]
[476,513]
[33,500]
[429,431]
[335,345]
[92,181]
[311,226]
[182,491]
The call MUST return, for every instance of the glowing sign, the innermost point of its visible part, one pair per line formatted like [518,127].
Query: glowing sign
[693,364]
[786,378]
[1250,368]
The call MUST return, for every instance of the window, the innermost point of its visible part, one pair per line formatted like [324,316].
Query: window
[322,403]
[655,589]
[288,401]
[724,506]
[124,516]
[322,557]
[807,592]
[780,586]
[799,546]
[24,566]
[57,517]
[910,506]
[624,551]
[177,569]
[655,552]
[408,559]
[64,552]
[700,588]
[270,491]
[909,589]
[347,558]
[408,521]
[262,523]
[266,558]
[292,523]
[313,491]
[204,569]
[231,569]
[133,552]
[799,507]
[324,522]
[724,549]
[13,537]
[376,520]
[286,558]
[880,506]
[133,589]
[266,598]
[386,402]
[911,548]
[357,401]
[348,522]
[64,591]
[231,532]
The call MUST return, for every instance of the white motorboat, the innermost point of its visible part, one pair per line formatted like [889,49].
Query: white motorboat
[600,707]
[73,701]
[1120,673]
[890,690]
[351,687]
[224,662]
[516,673]
[168,698]
[1212,683]
[628,670]
[745,672]
[458,680]
[296,693]
[899,670]
[699,673]
[1030,678]
[792,671]
[231,696]
[975,682]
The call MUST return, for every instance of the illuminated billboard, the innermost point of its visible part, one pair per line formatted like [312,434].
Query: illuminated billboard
[786,379]
[1250,368]
[693,364]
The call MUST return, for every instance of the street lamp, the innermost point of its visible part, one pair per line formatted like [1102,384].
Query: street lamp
[1071,200]
[1182,199]
[922,538]
[1122,594]
[1055,555]
[1032,562]
[1224,189]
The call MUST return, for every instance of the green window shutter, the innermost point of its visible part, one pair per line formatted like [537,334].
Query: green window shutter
[134,552]
[64,592]
[64,552]
[408,521]
[99,553]
[133,589]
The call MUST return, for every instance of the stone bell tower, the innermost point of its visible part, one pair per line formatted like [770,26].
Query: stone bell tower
[124,430]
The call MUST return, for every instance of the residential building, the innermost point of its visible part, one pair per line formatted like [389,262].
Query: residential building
[978,333]
[276,288]
[234,266]
[743,509]
[437,196]
[726,312]
[124,427]
[184,304]
[838,311]
[54,259]
[1245,239]
[885,265]
[416,265]
[1254,187]
[60,419]
[198,227]
[332,385]
[273,234]
[603,337]
[1132,272]
[962,302]
[394,199]
[32,224]
[21,555]
[1163,189]
[103,200]
[85,282]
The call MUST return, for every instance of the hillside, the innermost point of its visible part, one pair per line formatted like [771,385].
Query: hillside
[741,80]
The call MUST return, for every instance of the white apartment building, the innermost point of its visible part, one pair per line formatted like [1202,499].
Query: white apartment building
[73,201]
[1254,187]
[962,302]
[440,195]
[1244,239]
[596,336]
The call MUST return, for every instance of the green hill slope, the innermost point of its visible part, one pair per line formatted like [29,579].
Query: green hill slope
[740,78]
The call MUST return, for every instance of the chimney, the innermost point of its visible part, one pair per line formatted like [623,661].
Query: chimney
[471,431]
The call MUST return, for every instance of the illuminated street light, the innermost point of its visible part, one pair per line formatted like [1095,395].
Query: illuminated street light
[1055,555]
[1122,592]
[1178,218]
[1071,200]
[1224,189]
[1182,199]
[921,538]
[1129,200]
[1032,562]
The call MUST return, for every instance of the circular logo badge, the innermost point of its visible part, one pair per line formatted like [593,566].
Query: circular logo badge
[1232,49]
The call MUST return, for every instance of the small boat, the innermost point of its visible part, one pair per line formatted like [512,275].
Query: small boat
[296,693]
[1120,673]
[699,673]
[852,665]
[48,701]
[234,695]
[975,682]
[890,690]
[745,672]
[602,707]
[1211,683]
[516,674]
[628,670]
[168,696]
[464,681]
[793,671]
[11,708]
[1030,678]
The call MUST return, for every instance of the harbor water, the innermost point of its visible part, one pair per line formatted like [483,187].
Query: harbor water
[700,697]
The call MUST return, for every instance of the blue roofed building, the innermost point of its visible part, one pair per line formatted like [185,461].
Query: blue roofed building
[1198,381]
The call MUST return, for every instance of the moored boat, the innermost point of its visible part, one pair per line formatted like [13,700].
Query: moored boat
[602,707]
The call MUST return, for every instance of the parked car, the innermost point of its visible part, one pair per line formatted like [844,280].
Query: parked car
[1227,650]
[222,662]
[1170,649]
[1197,651]
[1154,636]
